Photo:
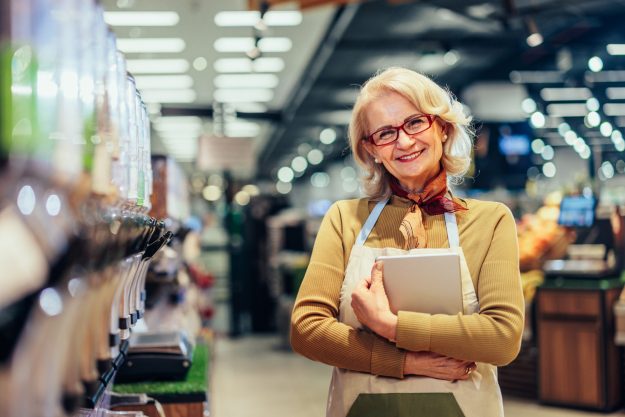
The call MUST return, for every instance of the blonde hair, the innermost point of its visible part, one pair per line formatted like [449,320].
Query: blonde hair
[429,98]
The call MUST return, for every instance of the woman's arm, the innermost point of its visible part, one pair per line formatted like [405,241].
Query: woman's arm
[492,336]
[315,331]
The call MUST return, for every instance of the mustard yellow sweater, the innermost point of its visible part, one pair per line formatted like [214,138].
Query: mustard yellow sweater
[488,239]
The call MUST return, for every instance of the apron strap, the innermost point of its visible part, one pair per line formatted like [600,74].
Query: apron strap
[450,222]
[368,226]
[452,230]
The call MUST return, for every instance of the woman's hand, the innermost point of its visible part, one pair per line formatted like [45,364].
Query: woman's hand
[437,366]
[370,304]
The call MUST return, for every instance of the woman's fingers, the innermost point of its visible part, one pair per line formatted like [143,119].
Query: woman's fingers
[376,273]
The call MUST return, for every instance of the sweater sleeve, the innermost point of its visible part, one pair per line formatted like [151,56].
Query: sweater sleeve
[494,334]
[315,331]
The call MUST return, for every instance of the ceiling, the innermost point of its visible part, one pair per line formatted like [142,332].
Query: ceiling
[473,47]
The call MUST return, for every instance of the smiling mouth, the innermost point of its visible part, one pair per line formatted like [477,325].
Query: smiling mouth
[411,156]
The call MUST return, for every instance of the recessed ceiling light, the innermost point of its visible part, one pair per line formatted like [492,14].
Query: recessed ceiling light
[200,63]
[141,18]
[242,95]
[251,18]
[231,65]
[151,45]
[246,81]
[595,64]
[157,66]
[146,82]
[168,96]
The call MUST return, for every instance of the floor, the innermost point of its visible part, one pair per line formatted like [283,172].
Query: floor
[256,376]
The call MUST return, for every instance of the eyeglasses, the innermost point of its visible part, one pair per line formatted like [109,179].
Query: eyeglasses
[412,126]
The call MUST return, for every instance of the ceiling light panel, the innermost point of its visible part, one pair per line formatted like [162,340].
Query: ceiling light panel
[151,45]
[536,77]
[615,93]
[234,65]
[244,44]
[157,66]
[246,81]
[250,107]
[251,18]
[147,82]
[615,76]
[567,110]
[141,18]
[565,94]
[616,48]
[614,109]
[168,96]
[242,95]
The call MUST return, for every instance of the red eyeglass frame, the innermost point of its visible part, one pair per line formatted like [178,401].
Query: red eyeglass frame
[430,118]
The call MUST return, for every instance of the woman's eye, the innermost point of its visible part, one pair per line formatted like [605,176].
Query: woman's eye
[386,134]
[415,123]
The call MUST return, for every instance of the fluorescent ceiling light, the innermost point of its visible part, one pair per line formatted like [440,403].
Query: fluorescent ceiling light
[163,81]
[250,107]
[615,93]
[230,65]
[244,44]
[616,48]
[151,45]
[178,120]
[567,110]
[251,18]
[246,81]
[614,109]
[565,94]
[179,132]
[606,76]
[242,95]
[157,66]
[536,77]
[168,96]
[242,129]
[141,18]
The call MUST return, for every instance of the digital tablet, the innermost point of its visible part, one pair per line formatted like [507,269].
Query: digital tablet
[425,283]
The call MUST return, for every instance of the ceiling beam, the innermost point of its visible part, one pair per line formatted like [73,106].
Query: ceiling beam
[336,29]
[207,112]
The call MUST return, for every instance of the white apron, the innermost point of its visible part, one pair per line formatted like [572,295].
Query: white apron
[478,396]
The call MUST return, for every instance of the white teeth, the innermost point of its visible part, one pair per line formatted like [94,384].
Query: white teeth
[411,156]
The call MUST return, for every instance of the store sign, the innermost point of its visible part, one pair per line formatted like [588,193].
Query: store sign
[218,153]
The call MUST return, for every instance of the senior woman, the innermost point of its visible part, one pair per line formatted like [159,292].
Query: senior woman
[412,138]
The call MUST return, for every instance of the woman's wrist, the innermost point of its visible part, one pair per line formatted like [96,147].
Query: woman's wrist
[388,326]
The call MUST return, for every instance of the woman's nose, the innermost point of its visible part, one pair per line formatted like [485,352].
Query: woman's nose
[403,139]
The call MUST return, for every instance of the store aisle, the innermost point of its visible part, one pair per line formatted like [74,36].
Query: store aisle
[253,377]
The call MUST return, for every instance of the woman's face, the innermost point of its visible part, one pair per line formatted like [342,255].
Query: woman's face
[412,159]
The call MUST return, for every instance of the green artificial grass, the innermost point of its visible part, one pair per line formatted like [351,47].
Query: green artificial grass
[195,382]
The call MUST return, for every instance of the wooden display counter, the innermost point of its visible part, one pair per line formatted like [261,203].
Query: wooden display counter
[579,364]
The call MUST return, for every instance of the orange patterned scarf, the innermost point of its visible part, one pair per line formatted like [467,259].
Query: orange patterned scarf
[431,200]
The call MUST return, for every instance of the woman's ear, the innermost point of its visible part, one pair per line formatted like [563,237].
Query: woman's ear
[370,149]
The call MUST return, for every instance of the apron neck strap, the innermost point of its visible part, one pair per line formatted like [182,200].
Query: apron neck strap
[368,226]
[450,222]
[452,230]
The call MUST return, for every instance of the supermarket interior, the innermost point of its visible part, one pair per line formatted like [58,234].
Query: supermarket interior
[166,166]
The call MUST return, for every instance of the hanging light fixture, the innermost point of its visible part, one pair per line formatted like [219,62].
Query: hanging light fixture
[534,37]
